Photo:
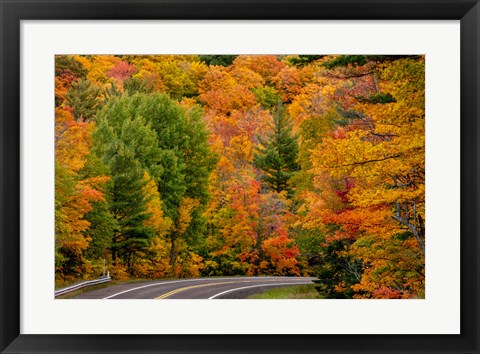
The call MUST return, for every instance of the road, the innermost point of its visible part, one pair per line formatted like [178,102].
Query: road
[200,288]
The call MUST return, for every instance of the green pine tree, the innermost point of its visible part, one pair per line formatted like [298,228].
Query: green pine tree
[102,221]
[129,207]
[223,60]
[277,155]
[84,99]
[135,85]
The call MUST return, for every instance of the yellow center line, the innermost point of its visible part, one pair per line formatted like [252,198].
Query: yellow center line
[196,286]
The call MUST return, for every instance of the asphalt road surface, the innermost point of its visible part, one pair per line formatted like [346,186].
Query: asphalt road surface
[200,288]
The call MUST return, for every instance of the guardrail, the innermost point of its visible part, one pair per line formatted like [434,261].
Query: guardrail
[68,289]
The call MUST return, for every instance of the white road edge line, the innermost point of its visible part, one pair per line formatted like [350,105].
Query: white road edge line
[166,282]
[254,286]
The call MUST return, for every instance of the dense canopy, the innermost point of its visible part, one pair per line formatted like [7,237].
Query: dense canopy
[188,166]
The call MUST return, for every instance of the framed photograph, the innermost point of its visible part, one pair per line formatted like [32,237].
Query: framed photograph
[216,176]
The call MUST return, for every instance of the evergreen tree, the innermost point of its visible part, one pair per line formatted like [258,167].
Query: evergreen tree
[111,92]
[277,155]
[102,227]
[223,60]
[129,207]
[336,271]
[303,59]
[136,85]
[101,219]
[84,100]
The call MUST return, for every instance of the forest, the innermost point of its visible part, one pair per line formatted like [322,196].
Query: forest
[181,166]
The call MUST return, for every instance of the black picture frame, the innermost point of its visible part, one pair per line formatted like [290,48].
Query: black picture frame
[14,11]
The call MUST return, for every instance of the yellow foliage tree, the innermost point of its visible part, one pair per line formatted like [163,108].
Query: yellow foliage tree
[74,193]
[380,156]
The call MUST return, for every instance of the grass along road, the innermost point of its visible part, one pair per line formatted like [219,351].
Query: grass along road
[291,292]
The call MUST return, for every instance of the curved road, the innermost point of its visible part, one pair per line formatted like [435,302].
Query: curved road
[200,288]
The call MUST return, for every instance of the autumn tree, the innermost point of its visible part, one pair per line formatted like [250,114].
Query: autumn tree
[76,191]
[382,153]
[98,66]
[121,71]
[176,75]
[67,71]
[252,231]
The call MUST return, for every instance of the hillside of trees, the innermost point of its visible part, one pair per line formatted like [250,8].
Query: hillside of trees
[175,166]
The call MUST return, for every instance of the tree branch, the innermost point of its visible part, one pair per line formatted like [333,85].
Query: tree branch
[369,161]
